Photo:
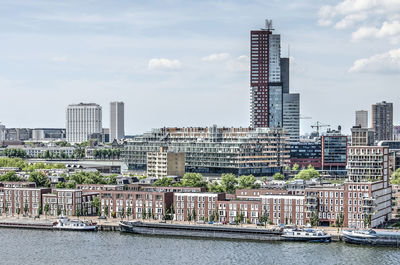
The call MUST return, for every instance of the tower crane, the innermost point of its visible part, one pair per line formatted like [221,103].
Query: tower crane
[319,125]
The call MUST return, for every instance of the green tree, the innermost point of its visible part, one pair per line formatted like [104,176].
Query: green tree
[295,168]
[279,176]
[314,219]
[18,211]
[367,220]
[128,212]
[307,174]
[215,187]
[193,180]
[239,217]
[10,176]
[194,215]
[60,185]
[95,203]
[106,211]
[264,218]
[247,182]
[122,213]
[46,209]
[395,178]
[114,214]
[340,221]
[77,211]
[189,217]
[144,213]
[26,209]
[6,210]
[58,210]
[229,182]
[163,182]
[39,178]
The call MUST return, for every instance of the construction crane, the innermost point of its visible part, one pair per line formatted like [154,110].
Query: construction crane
[319,125]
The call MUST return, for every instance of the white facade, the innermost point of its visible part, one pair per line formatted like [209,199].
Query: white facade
[117,128]
[2,132]
[83,120]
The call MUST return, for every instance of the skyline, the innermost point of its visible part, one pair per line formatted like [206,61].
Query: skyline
[158,57]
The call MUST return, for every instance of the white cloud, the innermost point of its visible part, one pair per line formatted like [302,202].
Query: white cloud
[59,59]
[216,57]
[388,29]
[239,64]
[164,64]
[349,21]
[388,63]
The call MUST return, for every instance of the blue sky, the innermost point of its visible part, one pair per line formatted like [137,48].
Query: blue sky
[185,63]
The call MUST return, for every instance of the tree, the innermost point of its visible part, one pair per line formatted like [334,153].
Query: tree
[229,182]
[279,176]
[39,178]
[172,212]
[60,185]
[18,211]
[194,215]
[163,182]
[114,214]
[367,220]
[295,168]
[122,213]
[193,180]
[215,187]
[189,217]
[216,216]
[307,174]
[128,212]
[77,211]
[14,152]
[58,210]
[264,218]
[395,178]
[95,203]
[106,211]
[144,213]
[314,219]
[6,210]
[10,176]
[339,221]
[26,209]
[247,182]
[46,209]
[239,217]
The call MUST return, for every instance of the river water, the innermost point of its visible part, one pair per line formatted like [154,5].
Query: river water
[62,247]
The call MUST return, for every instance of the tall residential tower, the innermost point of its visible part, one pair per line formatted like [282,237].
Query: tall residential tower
[382,120]
[117,128]
[265,78]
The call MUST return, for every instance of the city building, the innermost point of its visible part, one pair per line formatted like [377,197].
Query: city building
[396,132]
[48,134]
[291,115]
[165,163]
[83,120]
[2,132]
[334,153]
[284,209]
[65,201]
[152,205]
[18,134]
[305,154]
[117,129]
[368,163]
[382,120]
[265,81]
[362,118]
[362,136]
[214,150]
[18,199]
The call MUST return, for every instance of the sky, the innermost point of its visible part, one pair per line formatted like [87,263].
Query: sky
[186,63]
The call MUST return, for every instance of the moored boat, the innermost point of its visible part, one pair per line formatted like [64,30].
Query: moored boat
[372,237]
[64,223]
[306,235]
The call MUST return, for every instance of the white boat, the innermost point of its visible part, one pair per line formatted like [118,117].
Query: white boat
[372,237]
[64,223]
[308,235]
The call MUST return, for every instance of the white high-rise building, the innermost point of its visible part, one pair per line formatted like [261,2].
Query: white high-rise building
[291,115]
[117,128]
[83,120]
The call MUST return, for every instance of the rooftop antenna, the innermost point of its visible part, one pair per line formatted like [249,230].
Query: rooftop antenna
[268,24]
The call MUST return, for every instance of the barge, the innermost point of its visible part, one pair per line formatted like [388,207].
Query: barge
[201,231]
[372,237]
[306,235]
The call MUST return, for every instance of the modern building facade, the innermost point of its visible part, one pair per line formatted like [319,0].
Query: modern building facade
[265,80]
[164,163]
[83,120]
[362,118]
[334,153]
[215,150]
[117,121]
[362,136]
[382,120]
[48,134]
[305,154]
[291,115]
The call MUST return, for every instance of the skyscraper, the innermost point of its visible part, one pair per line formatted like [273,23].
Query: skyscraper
[362,118]
[382,120]
[291,115]
[265,78]
[83,120]
[117,130]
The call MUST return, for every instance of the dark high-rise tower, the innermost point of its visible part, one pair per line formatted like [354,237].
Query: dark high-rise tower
[265,78]
[382,120]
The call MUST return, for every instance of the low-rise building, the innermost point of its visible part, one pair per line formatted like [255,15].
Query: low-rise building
[165,163]
[23,200]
